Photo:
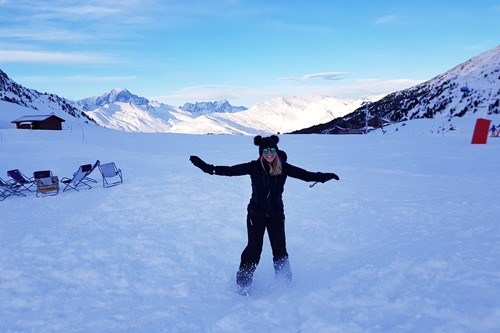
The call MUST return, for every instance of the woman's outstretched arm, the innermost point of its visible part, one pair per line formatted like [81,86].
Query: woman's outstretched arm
[235,170]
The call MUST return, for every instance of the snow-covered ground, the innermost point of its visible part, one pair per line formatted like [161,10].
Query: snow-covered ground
[407,241]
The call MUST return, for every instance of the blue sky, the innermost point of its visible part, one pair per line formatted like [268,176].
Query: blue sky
[177,51]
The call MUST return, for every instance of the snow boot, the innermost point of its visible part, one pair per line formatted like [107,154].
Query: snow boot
[244,277]
[244,280]
[283,270]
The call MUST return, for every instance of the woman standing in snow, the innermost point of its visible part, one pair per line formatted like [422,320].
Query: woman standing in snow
[265,211]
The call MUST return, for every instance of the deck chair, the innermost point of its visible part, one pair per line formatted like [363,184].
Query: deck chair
[78,180]
[111,175]
[9,188]
[46,183]
[89,168]
[25,182]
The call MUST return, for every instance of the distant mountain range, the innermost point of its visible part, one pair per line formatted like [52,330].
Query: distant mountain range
[125,96]
[220,117]
[469,88]
[200,108]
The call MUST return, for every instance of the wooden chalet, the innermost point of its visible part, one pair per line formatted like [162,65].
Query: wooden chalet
[39,122]
[342,130]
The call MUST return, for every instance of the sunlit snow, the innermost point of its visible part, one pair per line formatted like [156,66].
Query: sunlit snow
[407,241]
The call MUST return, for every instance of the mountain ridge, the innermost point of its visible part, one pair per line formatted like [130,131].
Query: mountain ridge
[115,95]
[39,103]
[220,117]
[199,108]
[468,88]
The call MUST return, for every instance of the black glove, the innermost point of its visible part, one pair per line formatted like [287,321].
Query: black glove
[324,177]
[198,162]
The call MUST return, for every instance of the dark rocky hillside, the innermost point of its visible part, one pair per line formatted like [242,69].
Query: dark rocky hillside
[469,88]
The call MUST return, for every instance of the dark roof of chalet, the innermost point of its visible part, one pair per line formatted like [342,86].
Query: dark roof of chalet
[36,118]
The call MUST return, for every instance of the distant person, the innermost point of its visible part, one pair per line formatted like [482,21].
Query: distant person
[493,131]
[265,210]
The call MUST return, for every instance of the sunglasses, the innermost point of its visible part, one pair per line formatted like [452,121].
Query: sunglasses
[266,151]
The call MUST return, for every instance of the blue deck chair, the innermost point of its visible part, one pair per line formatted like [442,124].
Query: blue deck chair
[111,175]
[78,181]
[46,183]
[9,188]
[24,182]
[89,168]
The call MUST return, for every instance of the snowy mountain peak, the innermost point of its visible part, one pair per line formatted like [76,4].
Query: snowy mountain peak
[120,95]
[115,95]
[200,108]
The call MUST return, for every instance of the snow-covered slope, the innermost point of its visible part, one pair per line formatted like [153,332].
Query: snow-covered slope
[17,101]
[129,117]
[470,88]
[407,241]
[283,115]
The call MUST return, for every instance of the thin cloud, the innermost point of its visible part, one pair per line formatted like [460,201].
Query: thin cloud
[64,11]
[76,78]
[50,57]
[388,19]
[110,20]
[61,15]
[326,76]
[100,11]
[320,76]
[48,34]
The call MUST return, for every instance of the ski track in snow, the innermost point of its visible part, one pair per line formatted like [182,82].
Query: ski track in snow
[406,241]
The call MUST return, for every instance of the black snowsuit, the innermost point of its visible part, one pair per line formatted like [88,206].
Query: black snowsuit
[265,211]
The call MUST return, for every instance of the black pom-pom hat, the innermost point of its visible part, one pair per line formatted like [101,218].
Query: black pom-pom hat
[266,142]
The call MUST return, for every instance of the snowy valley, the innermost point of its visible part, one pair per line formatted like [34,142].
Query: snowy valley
[406,241]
